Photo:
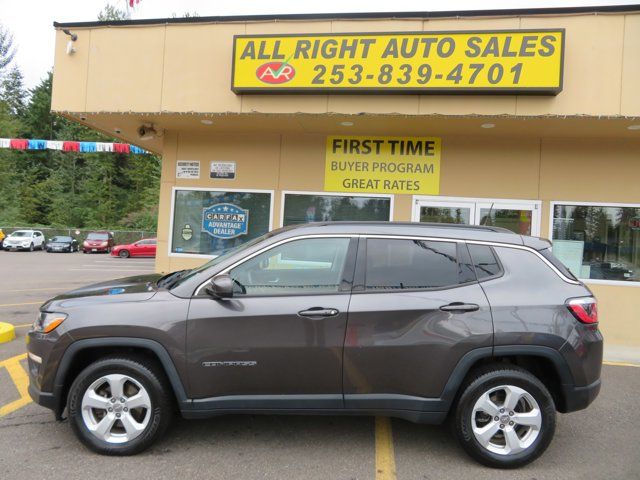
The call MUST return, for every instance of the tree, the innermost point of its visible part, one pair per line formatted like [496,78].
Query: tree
[7,50]
[12,91]
[110,12]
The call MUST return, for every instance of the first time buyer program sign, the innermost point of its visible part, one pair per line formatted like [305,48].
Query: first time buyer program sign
[383,165]
[518,61]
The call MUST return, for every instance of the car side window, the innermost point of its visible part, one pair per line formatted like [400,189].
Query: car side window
[484,261]
[305,266]
[398,264]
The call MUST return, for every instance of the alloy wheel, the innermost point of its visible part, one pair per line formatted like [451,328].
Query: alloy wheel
[116,408]
[506,420]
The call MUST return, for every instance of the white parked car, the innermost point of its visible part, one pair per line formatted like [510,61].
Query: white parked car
[24,240]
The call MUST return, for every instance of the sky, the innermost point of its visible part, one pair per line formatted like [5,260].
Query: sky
[31,21]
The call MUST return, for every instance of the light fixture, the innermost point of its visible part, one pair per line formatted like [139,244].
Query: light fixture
[117,130]
[206,121]
[488,125]
[83,118]
[346,124]
[633,127]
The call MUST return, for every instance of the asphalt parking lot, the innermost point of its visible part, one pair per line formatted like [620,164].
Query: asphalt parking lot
[602,442]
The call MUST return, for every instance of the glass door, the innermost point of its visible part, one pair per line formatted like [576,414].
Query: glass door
[519,216]
[447,212]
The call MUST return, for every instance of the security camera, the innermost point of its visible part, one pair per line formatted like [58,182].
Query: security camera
[145,132]
[148,131]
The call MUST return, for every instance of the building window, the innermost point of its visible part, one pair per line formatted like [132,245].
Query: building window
[598,241]
[209,222]
[304,208]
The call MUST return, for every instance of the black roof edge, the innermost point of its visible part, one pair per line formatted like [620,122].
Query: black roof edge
[359,15]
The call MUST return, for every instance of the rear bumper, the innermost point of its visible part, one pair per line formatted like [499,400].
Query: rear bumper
[579,398]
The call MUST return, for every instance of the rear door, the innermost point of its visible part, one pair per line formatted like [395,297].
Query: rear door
[415,311]
[277,343]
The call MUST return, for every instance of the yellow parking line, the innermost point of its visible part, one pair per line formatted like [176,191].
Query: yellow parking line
[20,380]
[385,458]
[18,304]
[622,364]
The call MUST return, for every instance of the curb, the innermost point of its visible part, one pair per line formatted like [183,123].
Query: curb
[7,332]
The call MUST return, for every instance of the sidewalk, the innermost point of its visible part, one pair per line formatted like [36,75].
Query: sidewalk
[621,353]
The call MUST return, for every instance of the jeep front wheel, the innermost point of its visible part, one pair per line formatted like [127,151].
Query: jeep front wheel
[505,417]
[119,406]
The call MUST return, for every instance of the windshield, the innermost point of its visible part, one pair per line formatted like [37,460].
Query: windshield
[224,255]
[22,233]
[61,239]
[98,236]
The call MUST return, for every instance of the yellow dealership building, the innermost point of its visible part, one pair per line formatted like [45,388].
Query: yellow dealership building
[524,119]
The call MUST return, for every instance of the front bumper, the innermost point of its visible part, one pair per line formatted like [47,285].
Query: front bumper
[44,399]
[15,247]
[95,249]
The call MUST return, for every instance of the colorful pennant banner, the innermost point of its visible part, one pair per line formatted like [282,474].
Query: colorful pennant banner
[69,146]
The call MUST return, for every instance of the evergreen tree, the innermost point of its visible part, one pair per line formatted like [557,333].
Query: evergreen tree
[7,50]
[12,91]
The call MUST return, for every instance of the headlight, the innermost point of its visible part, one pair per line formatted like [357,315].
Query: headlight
[104,244]
[47,321]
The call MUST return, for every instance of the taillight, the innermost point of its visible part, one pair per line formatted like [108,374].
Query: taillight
[584,309]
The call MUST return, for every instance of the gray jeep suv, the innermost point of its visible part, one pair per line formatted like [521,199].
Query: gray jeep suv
[424,322]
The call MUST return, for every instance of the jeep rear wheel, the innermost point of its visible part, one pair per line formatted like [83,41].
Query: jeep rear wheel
[505,417]
[119,406]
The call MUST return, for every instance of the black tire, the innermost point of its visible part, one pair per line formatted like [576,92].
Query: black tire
[31,248]
[483,381]
[142,371]
[124,254]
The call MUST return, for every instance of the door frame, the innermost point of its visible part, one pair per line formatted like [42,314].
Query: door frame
[476,203]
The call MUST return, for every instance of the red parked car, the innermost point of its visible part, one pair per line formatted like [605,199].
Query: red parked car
[142,248]
[98,242]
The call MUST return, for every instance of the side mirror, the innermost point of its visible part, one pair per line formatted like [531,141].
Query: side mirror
[221,286]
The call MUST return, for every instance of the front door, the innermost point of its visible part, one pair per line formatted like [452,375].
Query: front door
[279,340]
[519,216]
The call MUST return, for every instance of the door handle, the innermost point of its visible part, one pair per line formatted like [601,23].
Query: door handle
[459,307]
[319,312]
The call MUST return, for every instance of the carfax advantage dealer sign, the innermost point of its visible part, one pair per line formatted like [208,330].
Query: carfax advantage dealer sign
[519,61]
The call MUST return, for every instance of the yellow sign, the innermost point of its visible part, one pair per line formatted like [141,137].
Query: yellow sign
[519,61]
[383,165]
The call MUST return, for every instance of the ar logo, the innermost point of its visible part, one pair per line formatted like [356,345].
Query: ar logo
[275,72]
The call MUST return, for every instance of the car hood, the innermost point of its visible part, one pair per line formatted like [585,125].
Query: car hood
[59,244]
[129,289]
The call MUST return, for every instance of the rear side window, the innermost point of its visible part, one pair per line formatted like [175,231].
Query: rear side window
[546,253]
[484,261]
[410,264]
